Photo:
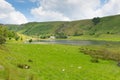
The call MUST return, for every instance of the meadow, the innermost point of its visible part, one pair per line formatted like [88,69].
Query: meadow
[103,37]
[52,62]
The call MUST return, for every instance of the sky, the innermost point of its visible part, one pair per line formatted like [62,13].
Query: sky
[24,11]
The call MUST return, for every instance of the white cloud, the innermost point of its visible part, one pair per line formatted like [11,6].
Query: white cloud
[50,10]
[59,10]
[9,15]
[46,15]
[65,9]
[112,7]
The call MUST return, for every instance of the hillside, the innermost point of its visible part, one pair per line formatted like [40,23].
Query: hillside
[39,28]
[107,26]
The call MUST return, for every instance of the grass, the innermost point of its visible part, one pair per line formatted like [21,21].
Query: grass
[106,52]
[53,62]
[103,37]
[107,29]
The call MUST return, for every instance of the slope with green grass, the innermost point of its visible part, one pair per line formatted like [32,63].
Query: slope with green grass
[39,28]
[108,27]
[52,62]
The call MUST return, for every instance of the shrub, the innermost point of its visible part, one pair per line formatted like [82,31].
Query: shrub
[44,36]
[2,40]
[30,40]
[92,33]
[21,38]
[10,38]
[96,20]
[17,38]
[30,60]
[94,60]
[60,35]
[77,34]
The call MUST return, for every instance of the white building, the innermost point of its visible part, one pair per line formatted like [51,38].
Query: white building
[52,37]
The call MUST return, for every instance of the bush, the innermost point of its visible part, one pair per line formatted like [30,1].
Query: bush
[60,36]
[77,34]
[108,32]
[44,36]
[10,38]
[92,33]
[96,20]
[17,38]
[30,40]
[30,60]
[2,40]
[94,60]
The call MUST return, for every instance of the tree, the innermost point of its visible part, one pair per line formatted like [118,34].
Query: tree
[17,38]
[78,33]
[2,40]
[44,36]
[12,34]
[61,35]
[96,20]
[3,34]
[30,40]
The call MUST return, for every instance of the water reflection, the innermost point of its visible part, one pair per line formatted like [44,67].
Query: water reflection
[74,42]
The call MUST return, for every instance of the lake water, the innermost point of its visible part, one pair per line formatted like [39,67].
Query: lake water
[74,42]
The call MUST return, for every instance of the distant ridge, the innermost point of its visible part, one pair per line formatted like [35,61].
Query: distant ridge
[107,25]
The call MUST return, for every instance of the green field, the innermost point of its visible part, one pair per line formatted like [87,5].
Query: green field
[52,62]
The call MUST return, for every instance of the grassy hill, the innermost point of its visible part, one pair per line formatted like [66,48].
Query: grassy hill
[108,26]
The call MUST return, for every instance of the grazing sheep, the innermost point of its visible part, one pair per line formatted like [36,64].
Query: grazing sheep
[23,66]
